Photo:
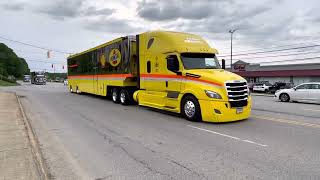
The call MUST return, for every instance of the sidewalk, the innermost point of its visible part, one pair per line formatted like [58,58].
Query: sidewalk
[16,158]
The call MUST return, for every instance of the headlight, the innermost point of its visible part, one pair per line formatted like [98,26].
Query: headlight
[212,94]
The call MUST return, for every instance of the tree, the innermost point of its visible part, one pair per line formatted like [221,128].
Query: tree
[11,64]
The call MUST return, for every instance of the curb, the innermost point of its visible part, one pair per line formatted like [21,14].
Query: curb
[35,147]
[266,95]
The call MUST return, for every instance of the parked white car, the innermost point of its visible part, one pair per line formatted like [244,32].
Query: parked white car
[306,92]
[261,87]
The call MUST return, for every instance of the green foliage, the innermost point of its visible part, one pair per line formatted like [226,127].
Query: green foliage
[11,64]
[55,75]
[6,83]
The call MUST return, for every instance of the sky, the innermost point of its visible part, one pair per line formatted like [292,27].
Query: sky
[72,26]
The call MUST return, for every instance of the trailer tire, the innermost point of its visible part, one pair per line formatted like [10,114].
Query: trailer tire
[115,95]
[70,89]
[77,90]
[190,108]
[124,97]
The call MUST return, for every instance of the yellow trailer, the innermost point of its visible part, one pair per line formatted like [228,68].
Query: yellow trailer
[172,71]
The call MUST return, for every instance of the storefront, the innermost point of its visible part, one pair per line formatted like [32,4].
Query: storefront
[292,73]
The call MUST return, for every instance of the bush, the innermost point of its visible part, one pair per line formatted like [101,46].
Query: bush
[7,79]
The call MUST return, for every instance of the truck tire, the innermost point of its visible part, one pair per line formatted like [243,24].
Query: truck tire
[284,97]
[78,91]
[124,97]
[70,89]
[115,95]
[190,108]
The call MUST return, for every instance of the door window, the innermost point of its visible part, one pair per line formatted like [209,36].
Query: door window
[304,86]
[315,86]
[173,63]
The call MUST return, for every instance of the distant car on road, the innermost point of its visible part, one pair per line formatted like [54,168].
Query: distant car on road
[306,92]
[261,87]
[26,78]
[280,85]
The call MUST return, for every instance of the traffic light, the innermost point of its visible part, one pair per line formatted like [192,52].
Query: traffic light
[51,65]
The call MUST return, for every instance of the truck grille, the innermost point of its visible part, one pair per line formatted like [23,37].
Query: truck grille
[237,93]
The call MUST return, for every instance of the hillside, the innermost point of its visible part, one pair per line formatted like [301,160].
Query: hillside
[11,64]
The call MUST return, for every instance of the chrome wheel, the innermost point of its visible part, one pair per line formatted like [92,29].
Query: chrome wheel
[189,109]
[123,97]
[114,95]
[284,97]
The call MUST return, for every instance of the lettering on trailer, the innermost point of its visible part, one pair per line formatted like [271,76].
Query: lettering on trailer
[114,57]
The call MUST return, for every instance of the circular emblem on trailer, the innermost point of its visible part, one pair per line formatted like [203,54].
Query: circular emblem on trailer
[103,60]
[115,57]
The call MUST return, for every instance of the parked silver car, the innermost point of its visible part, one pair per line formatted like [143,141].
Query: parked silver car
[306,92]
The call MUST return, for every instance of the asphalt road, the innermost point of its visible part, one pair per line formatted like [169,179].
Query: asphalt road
[90,137]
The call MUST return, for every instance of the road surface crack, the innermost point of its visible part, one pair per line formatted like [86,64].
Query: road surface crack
[143,163]
[190,170]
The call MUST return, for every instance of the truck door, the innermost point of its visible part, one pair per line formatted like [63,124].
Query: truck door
[173,82]
[95,72]
[152,72]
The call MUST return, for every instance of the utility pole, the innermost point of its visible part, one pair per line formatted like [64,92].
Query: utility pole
[231,33]
[54,73]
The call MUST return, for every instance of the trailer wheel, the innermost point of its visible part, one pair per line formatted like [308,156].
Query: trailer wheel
[124,97]
[115,95]
[190,108]
[71,90]
[78,91]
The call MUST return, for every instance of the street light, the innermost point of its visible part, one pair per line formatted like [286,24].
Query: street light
[231,33]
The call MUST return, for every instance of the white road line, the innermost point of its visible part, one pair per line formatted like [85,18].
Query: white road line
[228,136]
[312,109]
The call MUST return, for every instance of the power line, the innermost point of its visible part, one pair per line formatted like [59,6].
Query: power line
[32,52]
[277,50]
[288,60]
[35,46]
[281,55]
[288,45]
[53,62]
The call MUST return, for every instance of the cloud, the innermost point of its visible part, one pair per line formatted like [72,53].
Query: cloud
[93,11]
[61,9]
[195,10]
[15,6]
[111,25]
[170,10]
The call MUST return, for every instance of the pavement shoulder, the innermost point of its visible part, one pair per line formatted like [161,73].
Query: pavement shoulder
[262,94]
[17,159]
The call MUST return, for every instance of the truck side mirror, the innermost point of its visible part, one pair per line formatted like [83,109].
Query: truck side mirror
[173,63]
[223,64]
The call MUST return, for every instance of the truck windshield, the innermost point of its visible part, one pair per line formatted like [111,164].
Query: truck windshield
[200,61]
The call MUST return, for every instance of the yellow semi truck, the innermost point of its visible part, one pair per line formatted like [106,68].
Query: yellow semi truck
[172,71]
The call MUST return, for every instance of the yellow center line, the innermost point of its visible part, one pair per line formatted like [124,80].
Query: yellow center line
[287,121]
